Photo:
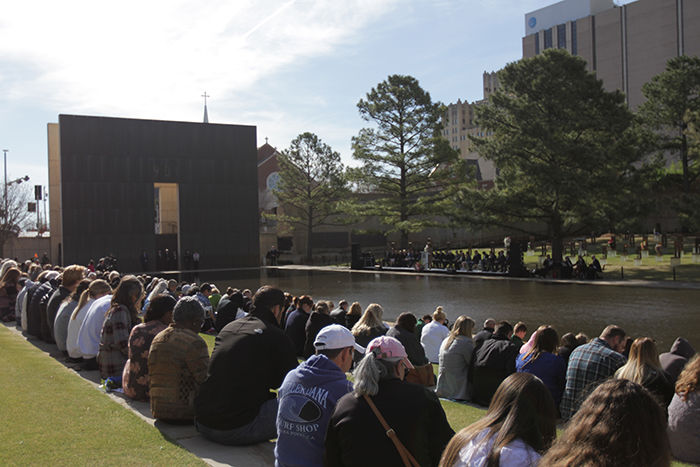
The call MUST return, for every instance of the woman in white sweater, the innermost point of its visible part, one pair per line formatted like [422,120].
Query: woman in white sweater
[433,334]
[98,288]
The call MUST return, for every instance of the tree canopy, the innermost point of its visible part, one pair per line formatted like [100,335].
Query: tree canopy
[311,186]
[671,109]
[564,149]
[405,161]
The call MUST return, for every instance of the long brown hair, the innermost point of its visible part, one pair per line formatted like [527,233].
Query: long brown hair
[463,326]
[688,379]
[545,341]
[11,277]
[522,408]
[619,423]
[128,289]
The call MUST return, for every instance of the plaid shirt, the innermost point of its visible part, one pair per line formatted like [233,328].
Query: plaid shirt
[589,365]
[114,342]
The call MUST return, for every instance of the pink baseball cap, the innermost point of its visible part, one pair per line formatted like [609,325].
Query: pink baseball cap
[386,347]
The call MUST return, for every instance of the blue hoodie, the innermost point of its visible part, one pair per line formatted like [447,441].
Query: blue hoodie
[307,399]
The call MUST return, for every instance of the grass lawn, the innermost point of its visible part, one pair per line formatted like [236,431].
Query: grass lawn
[52,417]
[649,268]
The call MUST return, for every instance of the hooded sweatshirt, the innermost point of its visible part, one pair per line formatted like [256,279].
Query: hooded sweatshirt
[307,399]
[314,324]
[673,362]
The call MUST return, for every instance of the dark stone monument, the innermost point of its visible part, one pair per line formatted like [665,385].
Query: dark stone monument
[111,169]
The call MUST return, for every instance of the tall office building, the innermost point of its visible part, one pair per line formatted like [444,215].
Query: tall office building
[624,45]
[459,124]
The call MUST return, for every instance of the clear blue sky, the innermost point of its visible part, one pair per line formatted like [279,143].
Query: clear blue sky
[286,67]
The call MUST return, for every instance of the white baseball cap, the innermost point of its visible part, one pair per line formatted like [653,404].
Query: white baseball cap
[335,336]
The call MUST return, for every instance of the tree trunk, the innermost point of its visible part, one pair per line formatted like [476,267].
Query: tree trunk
[684,160]
[556,238]
[404,239]
[309,243]
[557,248]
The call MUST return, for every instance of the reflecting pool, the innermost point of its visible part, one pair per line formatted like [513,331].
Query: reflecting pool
[662,314]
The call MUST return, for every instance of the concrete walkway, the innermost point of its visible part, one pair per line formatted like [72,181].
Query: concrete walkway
[186,436]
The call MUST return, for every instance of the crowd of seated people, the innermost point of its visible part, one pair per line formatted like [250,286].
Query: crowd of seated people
[450,260]
[402,258]
[566,269]
[143,335]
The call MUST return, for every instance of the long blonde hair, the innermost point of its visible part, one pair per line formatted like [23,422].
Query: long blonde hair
[97,287]
[463,326]
[371,319]
[643,360]
[355,309]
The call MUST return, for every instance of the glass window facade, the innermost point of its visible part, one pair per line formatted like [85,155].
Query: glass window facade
[537,43]
[561,36]
[574,44]
[547,39]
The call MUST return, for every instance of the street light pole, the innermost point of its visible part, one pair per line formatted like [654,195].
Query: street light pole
[5,163]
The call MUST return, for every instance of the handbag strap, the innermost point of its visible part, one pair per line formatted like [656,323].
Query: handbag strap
[406,457]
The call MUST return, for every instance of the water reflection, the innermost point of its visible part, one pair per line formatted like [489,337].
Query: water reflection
[658,313]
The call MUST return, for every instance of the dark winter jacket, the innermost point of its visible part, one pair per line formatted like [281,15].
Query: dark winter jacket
[227,310]
[355,436]
[36,310]
[481,337]
[494,362]
[338,316]
[251,357]
[33,319]
[351,320]
[314,324]
[295,329]
[673,362]
[415,351]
